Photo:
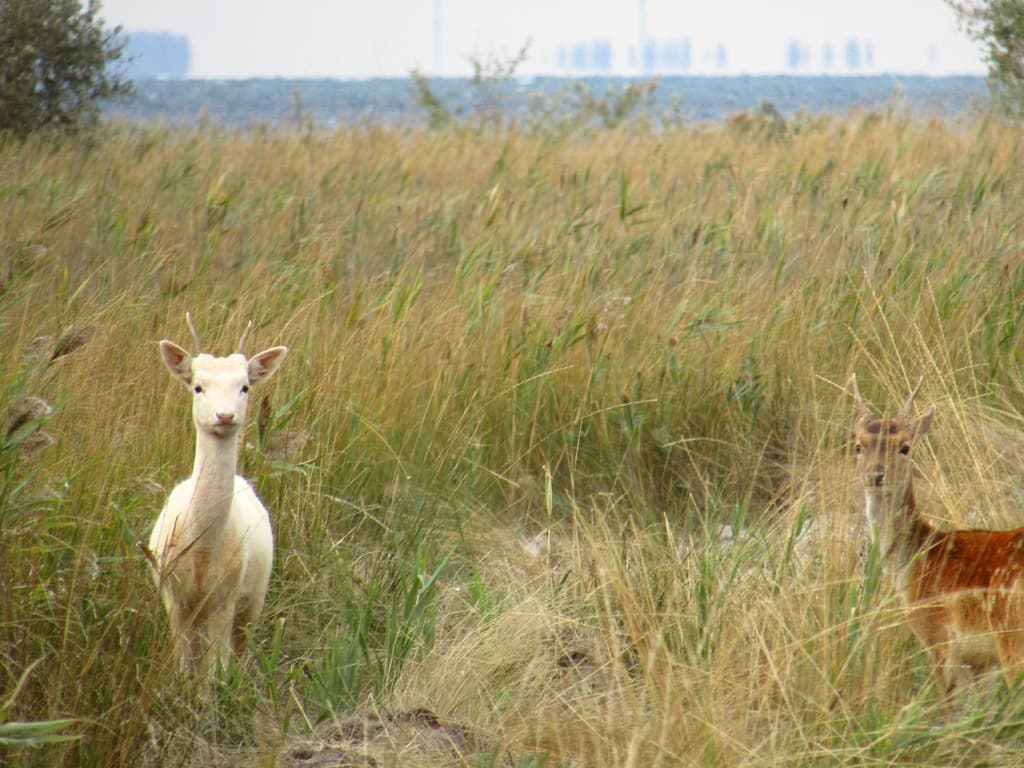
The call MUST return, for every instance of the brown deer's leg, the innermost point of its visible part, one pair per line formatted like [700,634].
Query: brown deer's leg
[1010,644]
[929,623]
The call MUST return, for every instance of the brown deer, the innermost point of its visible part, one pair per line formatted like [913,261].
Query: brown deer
[963,589]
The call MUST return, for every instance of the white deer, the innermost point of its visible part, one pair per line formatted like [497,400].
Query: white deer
[212,546]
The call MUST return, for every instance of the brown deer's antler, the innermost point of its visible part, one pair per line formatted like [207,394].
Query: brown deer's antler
[907,409]
[862,407]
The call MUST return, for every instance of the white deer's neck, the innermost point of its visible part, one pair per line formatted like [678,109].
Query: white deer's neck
[894,522]
[213,475]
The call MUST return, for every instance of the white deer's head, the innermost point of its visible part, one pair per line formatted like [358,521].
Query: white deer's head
[220,385]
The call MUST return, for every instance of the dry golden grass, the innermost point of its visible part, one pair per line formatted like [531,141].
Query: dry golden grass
[557,465]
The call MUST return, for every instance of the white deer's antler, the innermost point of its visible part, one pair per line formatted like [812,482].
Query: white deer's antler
[245,335]
[195,335]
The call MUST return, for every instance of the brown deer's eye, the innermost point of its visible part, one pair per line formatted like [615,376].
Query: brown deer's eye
[905,449]
[857,448]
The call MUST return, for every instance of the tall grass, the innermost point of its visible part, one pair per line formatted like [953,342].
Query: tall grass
[558,458]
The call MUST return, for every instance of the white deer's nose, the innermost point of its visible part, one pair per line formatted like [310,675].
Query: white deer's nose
[225,418]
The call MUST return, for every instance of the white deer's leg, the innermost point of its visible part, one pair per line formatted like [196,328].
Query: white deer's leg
[243,618]
[218,635]
[184,637]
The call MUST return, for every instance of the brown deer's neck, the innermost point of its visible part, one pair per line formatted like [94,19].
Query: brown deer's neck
[900,531]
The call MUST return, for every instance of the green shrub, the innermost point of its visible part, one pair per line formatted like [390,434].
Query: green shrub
[55,61]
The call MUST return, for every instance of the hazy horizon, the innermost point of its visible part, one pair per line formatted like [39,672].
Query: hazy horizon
[351,41]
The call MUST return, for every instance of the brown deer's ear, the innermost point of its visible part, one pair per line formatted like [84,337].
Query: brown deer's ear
[920,425]
[177,360]
[263,365]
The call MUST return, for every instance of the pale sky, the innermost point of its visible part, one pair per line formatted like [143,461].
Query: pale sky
[388,38]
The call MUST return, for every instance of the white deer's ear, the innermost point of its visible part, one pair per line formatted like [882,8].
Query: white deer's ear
[263,365]
[177,360]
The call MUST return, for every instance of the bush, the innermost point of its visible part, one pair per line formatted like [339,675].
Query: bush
[999,26]
[55,62]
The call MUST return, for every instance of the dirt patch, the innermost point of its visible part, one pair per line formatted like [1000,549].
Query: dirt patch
[416,737]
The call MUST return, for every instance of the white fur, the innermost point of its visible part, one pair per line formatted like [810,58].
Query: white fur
[212,546]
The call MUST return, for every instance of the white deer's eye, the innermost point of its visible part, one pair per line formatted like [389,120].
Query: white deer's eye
[198,389]
[245,389]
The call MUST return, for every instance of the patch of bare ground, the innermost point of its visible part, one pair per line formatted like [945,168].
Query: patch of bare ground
[416,737]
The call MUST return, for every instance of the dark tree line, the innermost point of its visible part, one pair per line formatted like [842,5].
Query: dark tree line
[57,63]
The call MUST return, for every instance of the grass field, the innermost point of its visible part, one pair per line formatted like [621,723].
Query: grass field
[557,463]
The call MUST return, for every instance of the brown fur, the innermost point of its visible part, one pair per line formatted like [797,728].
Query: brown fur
[963,589]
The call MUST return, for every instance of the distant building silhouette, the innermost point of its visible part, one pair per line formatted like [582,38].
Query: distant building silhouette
[580,58]
[643,42]
[663,57]
[853,55]
[437,38]
[591,57]
[828,56]
[798,56]
[722,56]
[648,60]
[676,56]
[857,56]
[156,54]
